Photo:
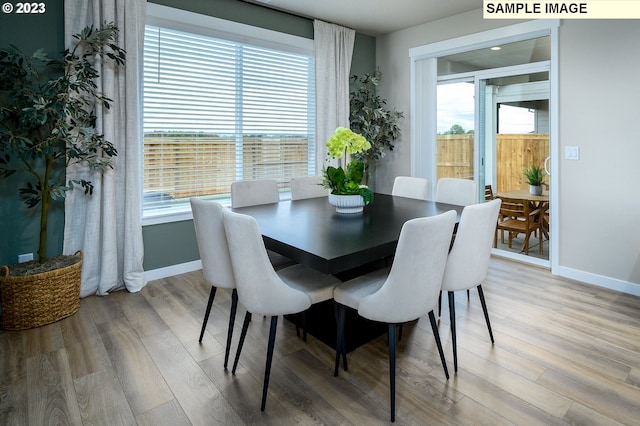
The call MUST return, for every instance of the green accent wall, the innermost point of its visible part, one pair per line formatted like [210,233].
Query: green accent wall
[364,55]
[166,244]
[169,244]
[19,226]
[245,13]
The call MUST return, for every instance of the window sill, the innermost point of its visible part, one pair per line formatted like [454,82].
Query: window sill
[172,214]
[183,212]
[166,215]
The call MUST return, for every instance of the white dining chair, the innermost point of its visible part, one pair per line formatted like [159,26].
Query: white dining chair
[254,192]
[410,187]
[468,261]
[461,192]
[216,263]
[409,290]
[304,187]
[264,291]
[246,193]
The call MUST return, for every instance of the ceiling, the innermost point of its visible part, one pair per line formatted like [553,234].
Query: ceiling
[374,17]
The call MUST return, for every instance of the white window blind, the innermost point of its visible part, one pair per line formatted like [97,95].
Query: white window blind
[217,111]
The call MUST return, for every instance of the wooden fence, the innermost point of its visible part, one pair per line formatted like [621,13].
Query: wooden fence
[193,165]
[186,166]
[514,153]
[455,156]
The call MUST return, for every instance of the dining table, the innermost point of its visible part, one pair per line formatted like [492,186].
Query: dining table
[312,233]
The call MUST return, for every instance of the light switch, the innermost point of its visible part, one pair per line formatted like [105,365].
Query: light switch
[571,153]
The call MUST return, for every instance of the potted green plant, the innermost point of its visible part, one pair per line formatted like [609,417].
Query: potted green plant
[535,179]
[47,122]
[369,117]
[347,192]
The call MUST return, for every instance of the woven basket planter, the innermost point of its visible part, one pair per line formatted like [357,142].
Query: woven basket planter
[39,299]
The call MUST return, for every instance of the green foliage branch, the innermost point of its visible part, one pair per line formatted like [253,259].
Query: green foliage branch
[369,116]
[48,119]
[346,182]
[534,175]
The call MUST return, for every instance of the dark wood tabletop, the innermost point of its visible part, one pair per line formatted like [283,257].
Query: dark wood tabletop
[311,232]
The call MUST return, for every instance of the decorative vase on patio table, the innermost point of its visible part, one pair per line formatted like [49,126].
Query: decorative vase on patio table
[535,189]
[347,204]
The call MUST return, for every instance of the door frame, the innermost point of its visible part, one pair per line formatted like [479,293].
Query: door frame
[424,80]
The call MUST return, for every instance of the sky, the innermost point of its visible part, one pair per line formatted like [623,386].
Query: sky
[455,106]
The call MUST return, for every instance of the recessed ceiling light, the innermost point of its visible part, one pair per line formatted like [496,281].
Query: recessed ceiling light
[496,48]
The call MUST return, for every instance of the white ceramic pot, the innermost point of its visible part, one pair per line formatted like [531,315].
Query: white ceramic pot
[347,204]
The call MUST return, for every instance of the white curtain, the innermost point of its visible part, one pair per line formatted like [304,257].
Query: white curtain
[107,226]
[333,47]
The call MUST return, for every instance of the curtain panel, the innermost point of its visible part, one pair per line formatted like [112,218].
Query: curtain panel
[333,47]
[107,226]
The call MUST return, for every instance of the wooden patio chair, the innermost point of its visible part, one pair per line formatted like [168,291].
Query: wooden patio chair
[518,217]
[488,193]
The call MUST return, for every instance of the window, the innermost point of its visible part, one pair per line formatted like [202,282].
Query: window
[218,109]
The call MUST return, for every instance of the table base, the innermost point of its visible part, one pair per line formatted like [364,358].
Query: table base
[321,324]
[321,317]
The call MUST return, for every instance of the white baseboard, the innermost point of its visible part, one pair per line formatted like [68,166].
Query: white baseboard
[599,280]
[169,271]
[574,274]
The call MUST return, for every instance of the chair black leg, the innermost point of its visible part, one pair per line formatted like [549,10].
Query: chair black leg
[243,334]
[392,369]
[439,303]
[434,327]
[399,328]
[340,343]
[232,320]
[212,295]
[452,320]
[304,326]
[267,368]
[486,313]
[301,317]
[345,367]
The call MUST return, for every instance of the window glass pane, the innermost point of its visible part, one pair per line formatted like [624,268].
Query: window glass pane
[455,140]
[516,53]
[217,111]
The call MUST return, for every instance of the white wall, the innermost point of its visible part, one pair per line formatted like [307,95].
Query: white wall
[599,111]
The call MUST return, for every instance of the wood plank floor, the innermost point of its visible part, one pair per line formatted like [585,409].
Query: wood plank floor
[565,353]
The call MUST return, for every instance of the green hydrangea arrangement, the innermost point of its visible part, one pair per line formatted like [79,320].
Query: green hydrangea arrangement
[347,181]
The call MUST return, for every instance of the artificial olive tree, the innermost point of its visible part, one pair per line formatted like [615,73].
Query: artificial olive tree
[369,117]
[48,119]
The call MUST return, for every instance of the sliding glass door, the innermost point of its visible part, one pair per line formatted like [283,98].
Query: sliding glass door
[492,123]
[513,74]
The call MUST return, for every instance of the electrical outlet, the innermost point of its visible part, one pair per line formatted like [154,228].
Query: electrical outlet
[25,257]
